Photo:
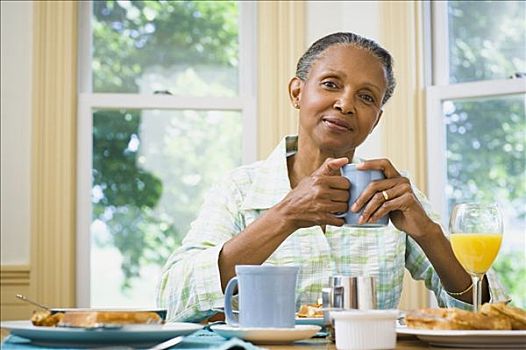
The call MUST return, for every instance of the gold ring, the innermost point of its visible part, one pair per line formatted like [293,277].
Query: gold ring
[386,197]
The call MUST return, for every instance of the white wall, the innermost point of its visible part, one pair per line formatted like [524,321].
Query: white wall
[16,58]
[360,17]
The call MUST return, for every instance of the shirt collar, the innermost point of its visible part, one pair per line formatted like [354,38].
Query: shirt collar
[271,183]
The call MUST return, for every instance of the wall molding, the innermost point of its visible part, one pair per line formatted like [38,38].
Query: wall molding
[281,41]
[15,279]
[14,274]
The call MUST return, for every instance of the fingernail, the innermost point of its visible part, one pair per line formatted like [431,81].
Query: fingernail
[359,165]
[354,207]
[361,220]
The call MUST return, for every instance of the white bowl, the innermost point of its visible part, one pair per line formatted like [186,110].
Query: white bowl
[365,329]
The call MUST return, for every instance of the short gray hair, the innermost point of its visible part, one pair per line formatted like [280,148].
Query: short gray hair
[345,38]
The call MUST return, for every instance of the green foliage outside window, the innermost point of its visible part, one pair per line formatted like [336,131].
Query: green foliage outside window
[129,36]
[511,269]
[486,138]
[129,40]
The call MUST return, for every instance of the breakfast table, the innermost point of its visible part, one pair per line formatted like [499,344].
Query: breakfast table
[322,344]
[214,341]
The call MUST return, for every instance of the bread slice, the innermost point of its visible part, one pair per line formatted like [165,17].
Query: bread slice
[310,310]
[46,318]
[516,316]
[455,319]
[98,318]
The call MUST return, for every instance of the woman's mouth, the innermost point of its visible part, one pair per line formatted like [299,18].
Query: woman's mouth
[337,124]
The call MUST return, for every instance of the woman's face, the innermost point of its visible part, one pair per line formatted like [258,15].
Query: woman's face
[341,99]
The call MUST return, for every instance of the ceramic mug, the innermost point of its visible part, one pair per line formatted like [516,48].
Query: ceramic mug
[267,296]
[360,179]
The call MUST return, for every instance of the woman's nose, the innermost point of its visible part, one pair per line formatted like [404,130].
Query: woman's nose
[345,104]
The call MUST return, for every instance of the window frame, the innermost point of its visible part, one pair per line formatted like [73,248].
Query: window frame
[441,90]
[245,103]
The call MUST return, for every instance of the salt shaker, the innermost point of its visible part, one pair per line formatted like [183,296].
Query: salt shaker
[348,292]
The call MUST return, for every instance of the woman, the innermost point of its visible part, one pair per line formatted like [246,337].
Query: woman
[282,210]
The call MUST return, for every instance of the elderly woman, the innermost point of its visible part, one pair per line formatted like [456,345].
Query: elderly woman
[281,211]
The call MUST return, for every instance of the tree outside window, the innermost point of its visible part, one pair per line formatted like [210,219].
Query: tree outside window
[486,136]
[150,167]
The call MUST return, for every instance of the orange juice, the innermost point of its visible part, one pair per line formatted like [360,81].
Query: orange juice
[475,251]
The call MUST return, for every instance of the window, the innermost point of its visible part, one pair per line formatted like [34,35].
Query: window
[167,106]
[477,121]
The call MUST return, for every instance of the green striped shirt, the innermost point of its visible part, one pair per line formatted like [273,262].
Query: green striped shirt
[190,286]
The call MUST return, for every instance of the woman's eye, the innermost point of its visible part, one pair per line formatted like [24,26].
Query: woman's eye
[329,84]
[367,98]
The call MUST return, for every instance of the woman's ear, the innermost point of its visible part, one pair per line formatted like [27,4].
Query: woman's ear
[295,86]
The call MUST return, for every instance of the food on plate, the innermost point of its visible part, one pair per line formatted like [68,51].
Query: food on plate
[114,317]
[94,318]
[310,311]
[455,319]
[46,318]
[516,315]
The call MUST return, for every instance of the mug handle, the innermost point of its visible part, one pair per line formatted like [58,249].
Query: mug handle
[229,292]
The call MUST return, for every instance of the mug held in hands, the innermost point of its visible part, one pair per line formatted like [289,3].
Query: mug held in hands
[267,296]
[360,179]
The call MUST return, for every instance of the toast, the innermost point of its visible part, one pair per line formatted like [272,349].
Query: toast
[455,319]
[310,310]
[97,318]
[46,318]
[515,315]
[94,318]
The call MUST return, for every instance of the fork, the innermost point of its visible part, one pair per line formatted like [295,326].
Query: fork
[167,344]
[161,346]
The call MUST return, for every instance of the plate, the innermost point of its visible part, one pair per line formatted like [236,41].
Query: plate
[468,339]
[78,337]
[267,335]
[319,321]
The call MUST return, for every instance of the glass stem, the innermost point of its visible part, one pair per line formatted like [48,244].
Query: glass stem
[477,292]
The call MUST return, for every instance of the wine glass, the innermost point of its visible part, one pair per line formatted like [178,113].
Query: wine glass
[476,236]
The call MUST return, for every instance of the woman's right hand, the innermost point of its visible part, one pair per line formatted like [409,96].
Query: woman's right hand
[317,198]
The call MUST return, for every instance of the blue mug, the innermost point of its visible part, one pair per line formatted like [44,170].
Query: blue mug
[267,296]
[360,179]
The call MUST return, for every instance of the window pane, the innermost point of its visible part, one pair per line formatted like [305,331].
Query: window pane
[150,171]
[487,39]
[185,47]
[486,161]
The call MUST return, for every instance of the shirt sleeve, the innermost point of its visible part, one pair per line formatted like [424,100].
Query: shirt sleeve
[420,268]
[190,284]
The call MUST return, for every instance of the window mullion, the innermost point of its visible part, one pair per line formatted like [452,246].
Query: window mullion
[84,184]
[248,78]
[135,101]
[441,43]
[84,156]
[484,88]
[85,9]
[436,151]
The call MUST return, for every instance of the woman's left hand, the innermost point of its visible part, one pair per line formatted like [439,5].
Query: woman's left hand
[393,196]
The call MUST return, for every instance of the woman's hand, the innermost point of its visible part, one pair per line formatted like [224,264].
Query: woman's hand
[393,196]
[316,198]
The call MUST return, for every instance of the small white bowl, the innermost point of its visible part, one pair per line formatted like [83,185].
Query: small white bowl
[365,329]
